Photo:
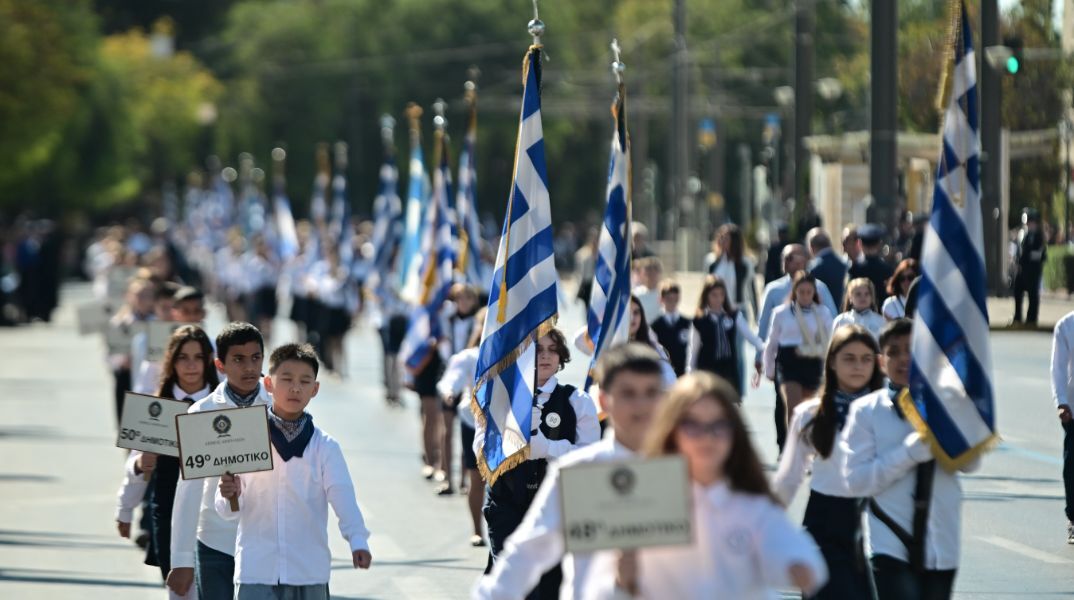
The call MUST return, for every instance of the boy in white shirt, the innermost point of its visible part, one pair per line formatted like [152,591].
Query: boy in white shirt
[282,545]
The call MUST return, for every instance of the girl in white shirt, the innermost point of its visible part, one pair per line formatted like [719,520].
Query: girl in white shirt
[898,286]
[833,515]
[796,342]
[744,545]
[714,332]
[639,331]
[859,307]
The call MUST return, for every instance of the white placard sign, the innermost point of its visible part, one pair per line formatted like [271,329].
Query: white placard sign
[232,440]
[118,337]
[118,280]
[631,504]
[148,424]
[157,335]
[93,317]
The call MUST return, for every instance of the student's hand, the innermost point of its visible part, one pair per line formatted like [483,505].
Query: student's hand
[918,449]
[1064,414]
[626,575]
[362,559]
[449,400]
[180,579]
[145,463]
[802,577]
[230,486]
[124,529]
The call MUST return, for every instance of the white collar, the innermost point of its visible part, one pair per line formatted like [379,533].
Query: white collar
[671,316]
[716,494]
[179,394]
[549,386]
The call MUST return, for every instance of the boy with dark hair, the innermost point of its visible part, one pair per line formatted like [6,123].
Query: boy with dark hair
[197,530]
[282,546]
[671,328]
[631,386]
[914,508]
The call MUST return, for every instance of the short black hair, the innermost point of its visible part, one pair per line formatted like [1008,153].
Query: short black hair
[300,352]
[188,292]
[634,357]
[237,334]
[166,290]
[894,329]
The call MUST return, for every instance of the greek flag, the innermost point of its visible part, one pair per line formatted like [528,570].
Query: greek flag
[469,262]
[608,321]
[522,301]
[415,218]
[950,400]
[437,267]
[387,218]
[287,242]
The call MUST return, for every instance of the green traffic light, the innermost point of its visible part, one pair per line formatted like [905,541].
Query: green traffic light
[1013,65]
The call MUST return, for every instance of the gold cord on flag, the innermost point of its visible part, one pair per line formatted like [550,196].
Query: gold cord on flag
[954,25]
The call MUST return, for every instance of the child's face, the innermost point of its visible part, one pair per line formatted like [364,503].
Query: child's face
[861,298]
[635,319]
[803,295]
[715,298]
[141,300]
[630,401]
[547,359]
[853,366]
[190,366]
[704,437]
[188,311]
[895,360]
[162,308]
[670,301]
[242,366]
[292,386]
[466,303]
[652,276]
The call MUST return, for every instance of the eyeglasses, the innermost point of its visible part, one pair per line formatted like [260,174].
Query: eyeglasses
[720,428]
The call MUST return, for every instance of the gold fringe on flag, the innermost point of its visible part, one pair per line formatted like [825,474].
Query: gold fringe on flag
[949,464]
[954,36]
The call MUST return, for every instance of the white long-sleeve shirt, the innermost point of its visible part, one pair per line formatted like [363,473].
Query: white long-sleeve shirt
[776,293]
[537,544]
[194,518]
[868,319]
[1063,361]
[894,307]
[786,332]
[131,490]
[587,424]
[881,452]
[693,346]
[744,546]
[458,379]
[283,516]
[800,457]
[580,340]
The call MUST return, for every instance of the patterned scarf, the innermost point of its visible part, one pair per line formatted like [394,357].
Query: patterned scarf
[290,438]
[842,402]
[813,346]
[242,401]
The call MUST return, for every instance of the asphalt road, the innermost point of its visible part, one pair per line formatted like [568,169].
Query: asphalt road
[60,472]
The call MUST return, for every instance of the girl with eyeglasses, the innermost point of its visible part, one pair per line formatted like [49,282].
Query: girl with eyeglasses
[744,545]
[833,515]
[898,289]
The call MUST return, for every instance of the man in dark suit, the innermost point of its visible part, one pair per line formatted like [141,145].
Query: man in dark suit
[826,265]
[1032,251]
[872,266]
[773,266]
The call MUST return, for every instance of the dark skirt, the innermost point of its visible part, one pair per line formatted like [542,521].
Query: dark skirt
[425,380]
[300,307]
[792,368]
[469,459]
[835,524]
[726,368]
[263,303]
[392,334]
[334,321]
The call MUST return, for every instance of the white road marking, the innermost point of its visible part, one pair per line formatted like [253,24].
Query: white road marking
[1024,550]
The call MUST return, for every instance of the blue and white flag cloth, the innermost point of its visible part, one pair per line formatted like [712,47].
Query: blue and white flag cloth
[387,219]
[950,399]
[417,195]
[340,228]
[608,318]
[522,300]
[437,268]
[287,238]
[469,262]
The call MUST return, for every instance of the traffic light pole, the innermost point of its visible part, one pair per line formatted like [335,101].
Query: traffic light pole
[991,159]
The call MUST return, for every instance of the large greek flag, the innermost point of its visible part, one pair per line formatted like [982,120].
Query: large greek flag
[608,321]
[522,299]
[469,262]
[952,402]
[287,241]
[387,218]
[437,267]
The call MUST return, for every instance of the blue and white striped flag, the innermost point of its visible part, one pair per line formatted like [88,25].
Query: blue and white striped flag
[469,262]
[287,241]
[417,196]
[387,218]
[341,216]
[950,399]
[437,268]
[608,320]
[522,301]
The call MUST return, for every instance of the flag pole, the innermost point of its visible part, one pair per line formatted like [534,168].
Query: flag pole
[536,29]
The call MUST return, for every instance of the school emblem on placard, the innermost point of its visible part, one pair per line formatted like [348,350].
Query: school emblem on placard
[155,410]
[553,420]
[623,480]
[221,425]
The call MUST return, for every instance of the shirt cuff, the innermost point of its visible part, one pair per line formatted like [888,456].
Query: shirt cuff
[916,447]
[124,515]
[182,560]
[359,543]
